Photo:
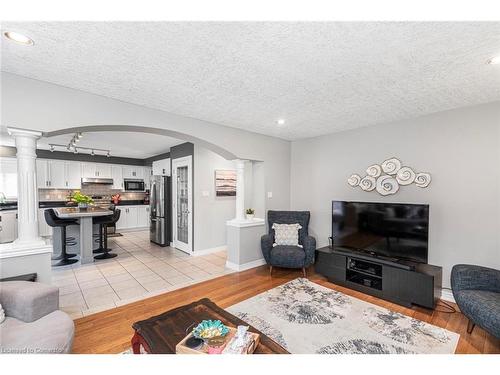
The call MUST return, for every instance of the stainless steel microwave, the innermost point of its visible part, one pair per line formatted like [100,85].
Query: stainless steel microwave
[134,185]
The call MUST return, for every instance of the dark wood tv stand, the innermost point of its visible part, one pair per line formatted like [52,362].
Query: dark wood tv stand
[402,282]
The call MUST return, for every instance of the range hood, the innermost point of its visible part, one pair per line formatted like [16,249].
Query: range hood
[101,181]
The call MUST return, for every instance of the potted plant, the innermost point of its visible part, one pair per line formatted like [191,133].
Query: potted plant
[82,200]
[250,213]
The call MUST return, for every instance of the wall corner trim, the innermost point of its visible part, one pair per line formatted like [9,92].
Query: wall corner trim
[245,266]
[210,250]
[447,295]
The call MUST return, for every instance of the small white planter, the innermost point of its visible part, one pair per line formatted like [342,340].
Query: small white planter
[250,216]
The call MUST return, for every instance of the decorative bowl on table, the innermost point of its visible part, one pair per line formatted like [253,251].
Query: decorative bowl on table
[213,332]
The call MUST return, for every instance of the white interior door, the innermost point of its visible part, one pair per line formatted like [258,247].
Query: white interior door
[182,199]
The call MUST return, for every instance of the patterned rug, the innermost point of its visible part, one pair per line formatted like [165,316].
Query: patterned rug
[307,318]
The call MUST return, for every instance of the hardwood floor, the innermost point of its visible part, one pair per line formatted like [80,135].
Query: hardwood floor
[110,331]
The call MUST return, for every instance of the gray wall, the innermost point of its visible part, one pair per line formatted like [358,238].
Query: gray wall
[210,213]
[54,107]
[460,148]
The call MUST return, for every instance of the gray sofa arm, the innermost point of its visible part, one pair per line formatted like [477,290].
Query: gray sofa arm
[28,301]
[266,244]
[470,277]
[309,244]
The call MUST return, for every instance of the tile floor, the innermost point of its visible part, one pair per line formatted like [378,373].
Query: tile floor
[141,270]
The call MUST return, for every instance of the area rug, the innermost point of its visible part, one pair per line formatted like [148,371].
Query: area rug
[307,318]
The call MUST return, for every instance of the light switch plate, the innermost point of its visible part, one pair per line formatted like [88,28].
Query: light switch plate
[269,194]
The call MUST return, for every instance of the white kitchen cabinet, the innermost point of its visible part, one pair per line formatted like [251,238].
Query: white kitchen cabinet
[50,174]
[148,172]
[103,170]
[88,170]
[133,172]
[128,217]
[73,175]
[143,216]
[57,178]
[8,177]
[8,226]
[43,228]
[117,176]
[42,174]
[96,170]
[161,167]
[132,217]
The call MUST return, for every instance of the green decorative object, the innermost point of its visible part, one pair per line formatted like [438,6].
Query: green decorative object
[210,330]
[82,200]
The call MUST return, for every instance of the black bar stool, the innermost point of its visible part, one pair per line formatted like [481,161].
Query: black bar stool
[103,222]
[98,237]
[54,221]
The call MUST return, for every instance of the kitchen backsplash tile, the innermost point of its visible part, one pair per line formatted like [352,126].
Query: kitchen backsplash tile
[91,190]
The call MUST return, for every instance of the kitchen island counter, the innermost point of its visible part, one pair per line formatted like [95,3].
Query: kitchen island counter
[84,216]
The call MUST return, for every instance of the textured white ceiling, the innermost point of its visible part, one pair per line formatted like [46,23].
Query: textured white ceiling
[320,77]
[124,144]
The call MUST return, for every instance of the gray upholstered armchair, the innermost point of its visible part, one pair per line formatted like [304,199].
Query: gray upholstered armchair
[476,290]
[33,324]
[289,256]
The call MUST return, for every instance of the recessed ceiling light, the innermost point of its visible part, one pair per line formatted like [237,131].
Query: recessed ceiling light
[19,38]
[281,122]
[494,60]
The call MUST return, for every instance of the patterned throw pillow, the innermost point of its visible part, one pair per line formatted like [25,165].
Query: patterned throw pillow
[286,234]
[2,314]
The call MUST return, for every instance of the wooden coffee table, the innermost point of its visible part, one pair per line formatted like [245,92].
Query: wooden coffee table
[160,334]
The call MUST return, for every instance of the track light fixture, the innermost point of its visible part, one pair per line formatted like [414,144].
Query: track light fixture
[71,147]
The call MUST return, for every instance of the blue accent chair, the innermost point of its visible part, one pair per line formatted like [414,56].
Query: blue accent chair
[476,290]
[289,256]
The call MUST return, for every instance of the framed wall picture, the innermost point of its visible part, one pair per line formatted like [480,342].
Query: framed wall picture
[225,183]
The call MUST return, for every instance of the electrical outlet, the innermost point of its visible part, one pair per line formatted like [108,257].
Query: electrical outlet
[205,193]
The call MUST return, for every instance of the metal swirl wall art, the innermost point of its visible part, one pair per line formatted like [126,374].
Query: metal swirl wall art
[387,177]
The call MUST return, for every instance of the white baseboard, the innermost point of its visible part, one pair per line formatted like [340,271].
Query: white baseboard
[245,266]
[211,250]
[447,295]
[125,230]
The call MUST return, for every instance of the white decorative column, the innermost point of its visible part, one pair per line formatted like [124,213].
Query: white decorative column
[29,253]
[27,193]
[243,236]
[240,190]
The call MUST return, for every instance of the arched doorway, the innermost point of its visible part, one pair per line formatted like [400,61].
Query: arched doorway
[145,129]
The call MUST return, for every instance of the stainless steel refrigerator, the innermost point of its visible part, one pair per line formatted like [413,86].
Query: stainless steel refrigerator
[160,209]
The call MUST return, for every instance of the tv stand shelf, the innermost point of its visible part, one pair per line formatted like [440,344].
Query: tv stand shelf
[402,282]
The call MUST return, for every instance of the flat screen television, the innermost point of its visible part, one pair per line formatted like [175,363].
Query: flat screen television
[393,230]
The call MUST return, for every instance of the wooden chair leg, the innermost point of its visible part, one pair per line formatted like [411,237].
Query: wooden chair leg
[304,272]
[271,270]
[470,326]
[136,344]
[138,341]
